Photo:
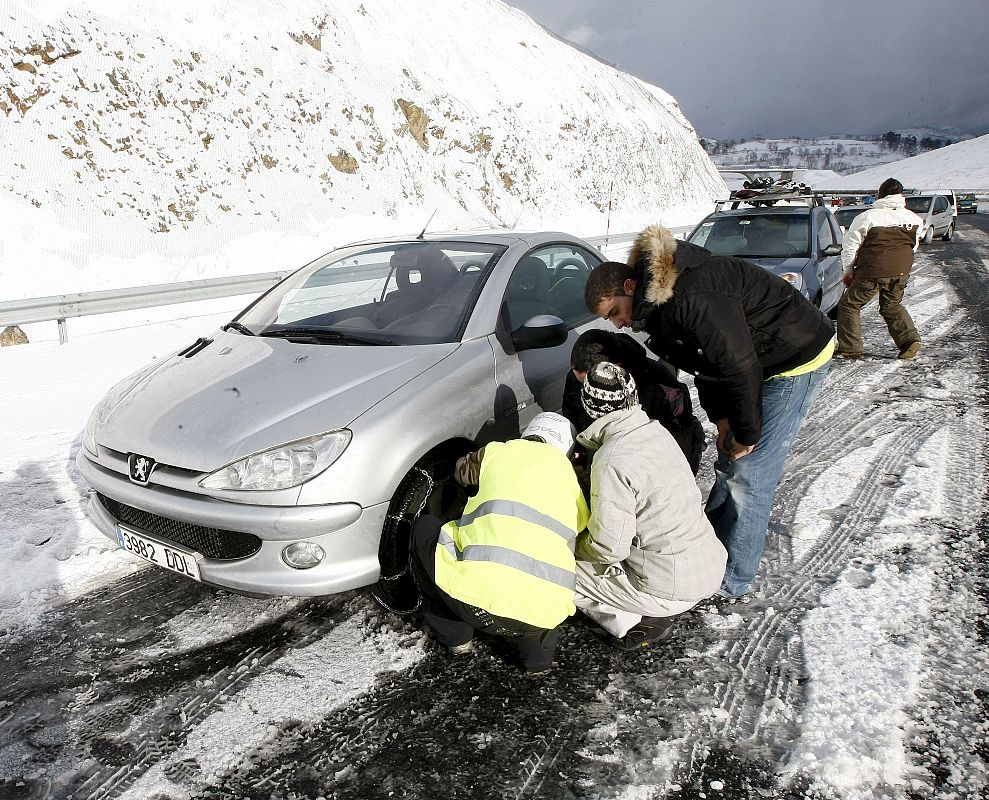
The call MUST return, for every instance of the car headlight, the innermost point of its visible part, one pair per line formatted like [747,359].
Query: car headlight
[281,467]
[795,279]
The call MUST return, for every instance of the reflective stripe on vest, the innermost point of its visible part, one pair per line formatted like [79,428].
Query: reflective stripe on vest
[512,508]
[509,558]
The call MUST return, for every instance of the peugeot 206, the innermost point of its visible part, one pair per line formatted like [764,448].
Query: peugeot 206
[289,451]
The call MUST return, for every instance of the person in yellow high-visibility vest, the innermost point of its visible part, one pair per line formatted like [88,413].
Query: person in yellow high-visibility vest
[506,566]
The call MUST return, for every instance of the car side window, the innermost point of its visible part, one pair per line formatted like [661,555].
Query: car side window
[940,205]
[550,280]
[825,236]
[836,229]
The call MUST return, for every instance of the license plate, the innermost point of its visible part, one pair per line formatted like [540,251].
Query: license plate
[161,554]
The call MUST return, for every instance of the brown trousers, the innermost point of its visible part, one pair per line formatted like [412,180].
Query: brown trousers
[898,320]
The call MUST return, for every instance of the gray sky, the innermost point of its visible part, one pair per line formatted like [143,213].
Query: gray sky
[784,68]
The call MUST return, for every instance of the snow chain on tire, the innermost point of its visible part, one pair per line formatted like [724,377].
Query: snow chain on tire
[402,521]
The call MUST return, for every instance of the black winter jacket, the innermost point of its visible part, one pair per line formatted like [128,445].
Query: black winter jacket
[661,395]
[729,322]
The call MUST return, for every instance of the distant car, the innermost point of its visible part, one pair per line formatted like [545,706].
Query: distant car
[288,452]
[967,204]
[800,243]
[937,210]
[846,214]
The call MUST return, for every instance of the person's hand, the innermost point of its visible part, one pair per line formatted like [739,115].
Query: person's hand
[724,431]
[847,279]
[734,450]
[739,450]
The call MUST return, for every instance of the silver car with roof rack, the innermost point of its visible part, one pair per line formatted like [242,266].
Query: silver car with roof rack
[791,234]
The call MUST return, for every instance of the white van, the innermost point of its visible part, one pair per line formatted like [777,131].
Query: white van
[937,209]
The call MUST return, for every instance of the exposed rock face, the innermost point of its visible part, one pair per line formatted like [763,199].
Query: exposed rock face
[12,335]
[145,121]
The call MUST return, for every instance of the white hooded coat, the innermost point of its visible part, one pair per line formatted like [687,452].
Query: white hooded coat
[646,511]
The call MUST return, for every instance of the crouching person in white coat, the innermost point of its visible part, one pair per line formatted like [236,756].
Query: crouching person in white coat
[649,552]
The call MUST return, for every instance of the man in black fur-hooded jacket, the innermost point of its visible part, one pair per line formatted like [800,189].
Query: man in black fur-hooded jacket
[759,352]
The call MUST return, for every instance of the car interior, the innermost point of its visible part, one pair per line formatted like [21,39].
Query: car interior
[425,298]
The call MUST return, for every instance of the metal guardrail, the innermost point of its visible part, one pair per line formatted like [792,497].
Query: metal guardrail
[62,307]
[59,308]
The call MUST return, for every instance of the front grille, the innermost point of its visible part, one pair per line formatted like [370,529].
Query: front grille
[211,542]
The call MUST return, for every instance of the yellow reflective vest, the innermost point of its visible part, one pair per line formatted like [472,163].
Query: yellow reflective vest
[511,553]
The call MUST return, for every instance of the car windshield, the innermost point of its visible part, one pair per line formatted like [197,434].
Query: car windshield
[755,235]
[387,294]
[919,204]
[846,215]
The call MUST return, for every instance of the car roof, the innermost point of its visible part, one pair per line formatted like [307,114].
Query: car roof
[861,207]
[794,210]
[503,238]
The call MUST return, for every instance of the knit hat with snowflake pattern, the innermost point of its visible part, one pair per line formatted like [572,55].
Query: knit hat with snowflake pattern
[608,388]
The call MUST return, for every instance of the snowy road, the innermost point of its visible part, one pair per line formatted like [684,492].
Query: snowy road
[858,670]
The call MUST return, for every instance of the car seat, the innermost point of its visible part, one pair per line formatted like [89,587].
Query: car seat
[796,236]
[727,245]
[526,293]
[421,273]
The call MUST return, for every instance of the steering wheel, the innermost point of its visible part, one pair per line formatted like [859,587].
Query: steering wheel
[573,264]
[471,266]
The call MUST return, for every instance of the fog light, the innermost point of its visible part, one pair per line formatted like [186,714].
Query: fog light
[302,555]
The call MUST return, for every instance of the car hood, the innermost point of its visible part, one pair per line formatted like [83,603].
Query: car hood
[242,394]
[781,265]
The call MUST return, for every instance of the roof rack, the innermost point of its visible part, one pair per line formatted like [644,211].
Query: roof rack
[766,199]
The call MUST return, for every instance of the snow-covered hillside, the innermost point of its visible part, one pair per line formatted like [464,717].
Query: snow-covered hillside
[830,153]
[959,166]
[173,139]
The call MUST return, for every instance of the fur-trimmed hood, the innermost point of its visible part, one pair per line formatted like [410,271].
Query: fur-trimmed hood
[652,257]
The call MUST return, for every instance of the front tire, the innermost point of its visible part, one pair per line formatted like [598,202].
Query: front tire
[929,236]
[426,489]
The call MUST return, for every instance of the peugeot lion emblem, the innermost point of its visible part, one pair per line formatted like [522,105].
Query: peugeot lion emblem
[140,468]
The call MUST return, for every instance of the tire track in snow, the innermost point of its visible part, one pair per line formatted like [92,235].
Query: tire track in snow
[177,693]
[450,727]
[950,732]
[766,658]
[113,710]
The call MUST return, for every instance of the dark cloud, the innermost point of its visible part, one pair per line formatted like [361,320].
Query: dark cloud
[794,69]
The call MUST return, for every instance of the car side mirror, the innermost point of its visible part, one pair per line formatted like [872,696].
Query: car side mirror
[543,330]
[832,250]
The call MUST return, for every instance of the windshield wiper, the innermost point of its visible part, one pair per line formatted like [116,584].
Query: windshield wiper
[237,327]
[324,335]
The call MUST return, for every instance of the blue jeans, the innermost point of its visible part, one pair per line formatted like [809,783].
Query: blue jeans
[741,500]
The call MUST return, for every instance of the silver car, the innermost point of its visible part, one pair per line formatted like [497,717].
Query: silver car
[288,452]
[937,210]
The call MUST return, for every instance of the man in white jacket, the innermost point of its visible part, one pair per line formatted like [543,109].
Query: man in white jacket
[649,552]
[877,254]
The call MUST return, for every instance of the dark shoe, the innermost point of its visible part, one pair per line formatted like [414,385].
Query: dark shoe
[650,631]
[910,350]
[722,600]
[849,356]
[461,649]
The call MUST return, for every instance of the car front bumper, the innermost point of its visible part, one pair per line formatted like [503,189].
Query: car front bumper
[348,534]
